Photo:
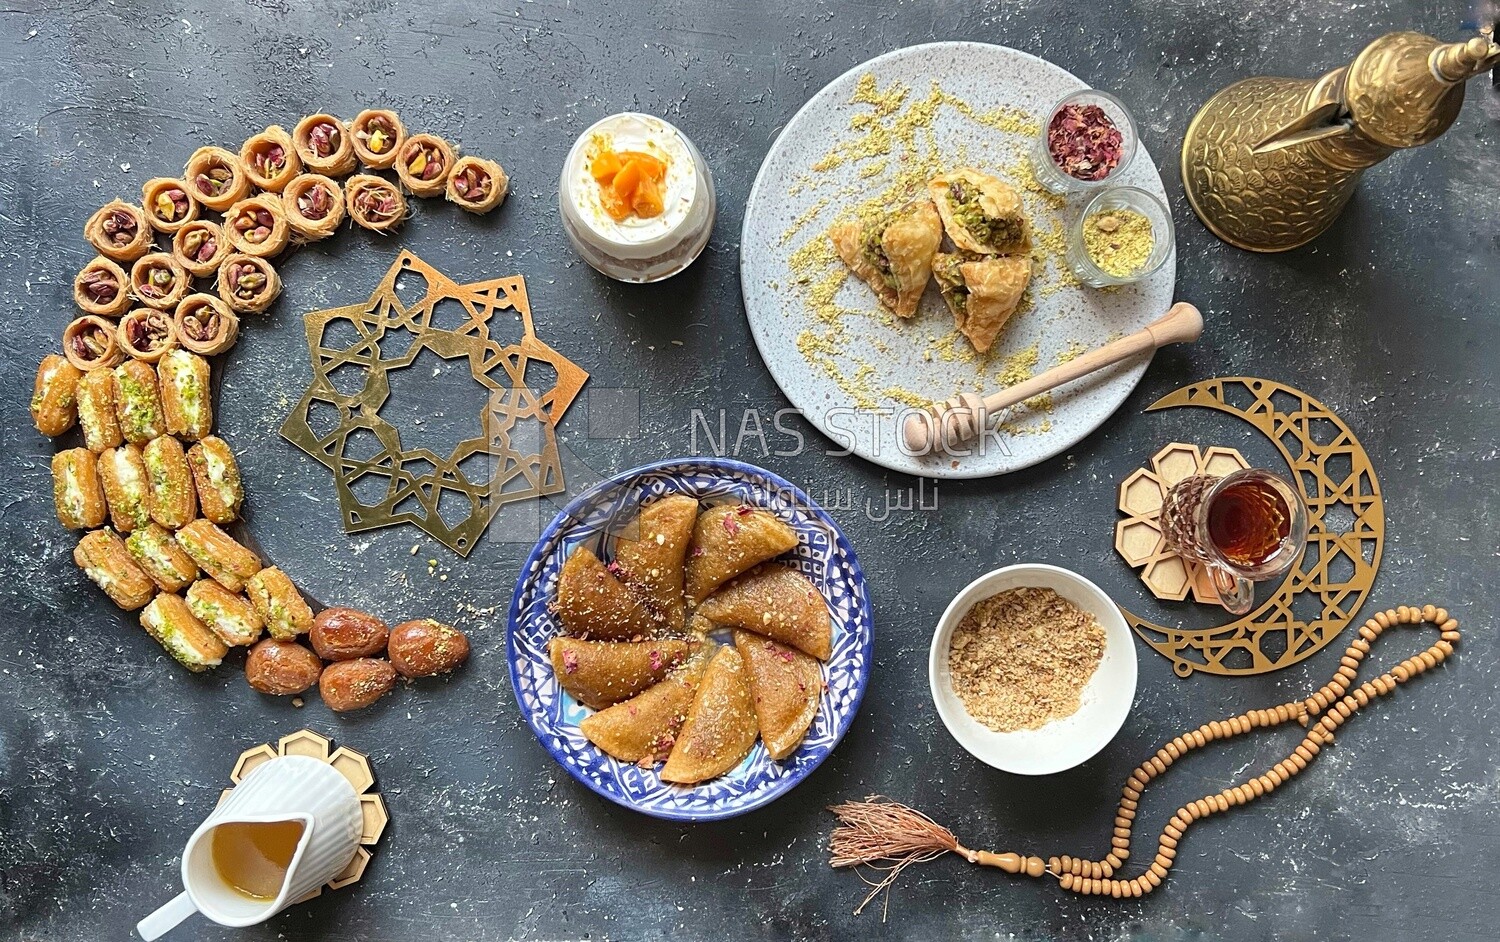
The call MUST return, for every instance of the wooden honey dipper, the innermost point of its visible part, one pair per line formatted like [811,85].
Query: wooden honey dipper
[961,418]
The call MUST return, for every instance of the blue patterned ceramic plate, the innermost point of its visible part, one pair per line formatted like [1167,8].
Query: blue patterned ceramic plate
[823,555]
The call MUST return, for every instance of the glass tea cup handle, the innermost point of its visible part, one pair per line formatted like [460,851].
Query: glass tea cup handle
[1236,593]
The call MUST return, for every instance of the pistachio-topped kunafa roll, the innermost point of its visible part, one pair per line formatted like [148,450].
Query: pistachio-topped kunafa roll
[76,490]
[100,288]
[54,397]
[157,553]
[205,324]
[168,204]
[103,558]
[186,406]
[257,226]
[158,280]
[138,402]
[216,475]
[200,246]
[324,145]
[122,472]
[314,206]
[217,178]
[171,496]
[279,604]
[374,202]
[425,163]
[248,284]
[96,411]
[119,230]
[174,626]
[218,554]
[146,334]
[227,614]
[477,185]
[269,159]
[89,343]
[377,137]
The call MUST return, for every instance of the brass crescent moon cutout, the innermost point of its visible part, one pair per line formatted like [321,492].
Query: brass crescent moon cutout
[1346,535]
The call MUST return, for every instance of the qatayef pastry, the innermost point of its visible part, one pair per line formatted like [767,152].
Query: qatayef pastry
[644,728]
[592,600]
[778,602]
[720,728]
[601,673]
[652,562]
[893,255]
[982,294]
[981,213]
[786,685]
[728,540]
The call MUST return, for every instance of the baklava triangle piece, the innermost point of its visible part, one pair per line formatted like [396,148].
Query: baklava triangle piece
[729,540]
[778,602]
[981,213]
[600,673]
[644,728]
[720,727]
[786,686]
[592,600]
[652,562]
[893,255]
[982,293]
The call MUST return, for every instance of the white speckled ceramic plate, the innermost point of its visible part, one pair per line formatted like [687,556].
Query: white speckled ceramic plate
[792,204]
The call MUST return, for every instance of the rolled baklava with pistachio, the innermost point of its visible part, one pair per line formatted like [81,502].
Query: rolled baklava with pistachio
[146,334]
[314,206]
[257,226]
[122,472]
[100,288]
[138,402]
[157,553]
[171,497]
[199,247]
[424,164]
[216,476]
[227,614]
[269,159]
[169,620]
[374,203]
[54,396]
[96,411]
[89,343]
[159,281]
[477,185]
[76,490]
[217,178]
[217,554]
[103,558]
[186,405]
[283,609]
[248,284]
[377,136]
[324,145]
[119,230]
[205,325]
[168,205]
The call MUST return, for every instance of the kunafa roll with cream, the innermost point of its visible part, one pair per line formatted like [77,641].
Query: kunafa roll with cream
[314,206]
[171,497]
[248,284]
[119,230]
[157,553]
[200,246]
[186,404]
[374,203]
[96,411]
[279,604]
[101,288]
[477,185]
[227,614]
[76,490]
[325,145]
[205,324]
[257,226]
[138,402]
[377,135]
[89,343]
[122,472]
[158,280]
[269,159]
[54,395]
[103,558]
[174,626]
[168,204]
[424,164]
[217,178]
[218,554]
[216,476]
[146,334]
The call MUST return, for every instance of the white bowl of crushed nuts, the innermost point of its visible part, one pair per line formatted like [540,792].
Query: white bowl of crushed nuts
[1032,669]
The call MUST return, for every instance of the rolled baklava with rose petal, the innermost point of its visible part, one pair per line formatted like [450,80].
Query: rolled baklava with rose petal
[216,475]
[186,404]
[170,494]
[157,553]
[96,411]
[89,343]
[378,135]
[314,206]
[159,281]
[103,558]
[100,288]
[122,472]
[54,396]
[324,145]
[257,226]
[205,324]
[217,554]
[374,202]
[119,230]
[227,614]
[76,490]
[279,604]
[217,178]
[146,334]
[248,284]
[168,204]
[425,163]
[269,159]
[477,185]
[174,626]
[138,402]
[199,247]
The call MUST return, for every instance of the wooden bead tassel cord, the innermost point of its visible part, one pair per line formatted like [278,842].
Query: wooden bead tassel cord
[890,836]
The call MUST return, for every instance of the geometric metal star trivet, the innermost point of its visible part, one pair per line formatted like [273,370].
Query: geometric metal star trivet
[452,497]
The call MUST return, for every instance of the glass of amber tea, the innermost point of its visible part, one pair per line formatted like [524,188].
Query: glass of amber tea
[1245,527]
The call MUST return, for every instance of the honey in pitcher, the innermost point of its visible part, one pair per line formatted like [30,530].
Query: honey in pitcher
[253,856]
[1247,522]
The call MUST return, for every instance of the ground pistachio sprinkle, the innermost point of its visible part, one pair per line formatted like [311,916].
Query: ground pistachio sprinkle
[1020,659]
[1119,241]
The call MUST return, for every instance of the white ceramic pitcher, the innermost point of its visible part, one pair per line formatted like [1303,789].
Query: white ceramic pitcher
[287,788]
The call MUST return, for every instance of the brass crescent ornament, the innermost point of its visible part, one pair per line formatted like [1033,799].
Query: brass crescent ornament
[1332,469]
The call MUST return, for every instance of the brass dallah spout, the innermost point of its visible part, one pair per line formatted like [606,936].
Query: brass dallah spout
[1269,163]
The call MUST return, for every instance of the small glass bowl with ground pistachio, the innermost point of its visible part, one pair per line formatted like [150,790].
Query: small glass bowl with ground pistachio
[1123,235]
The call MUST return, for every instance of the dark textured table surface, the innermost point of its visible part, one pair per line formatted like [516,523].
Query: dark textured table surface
[110,754]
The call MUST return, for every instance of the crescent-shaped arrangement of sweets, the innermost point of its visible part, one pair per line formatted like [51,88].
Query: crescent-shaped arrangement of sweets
[150,483]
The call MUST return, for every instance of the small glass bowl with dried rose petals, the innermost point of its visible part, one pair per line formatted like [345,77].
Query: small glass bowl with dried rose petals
[1122,235]
[1088,138]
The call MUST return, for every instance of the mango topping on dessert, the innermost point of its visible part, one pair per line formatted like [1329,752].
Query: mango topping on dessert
[630,183]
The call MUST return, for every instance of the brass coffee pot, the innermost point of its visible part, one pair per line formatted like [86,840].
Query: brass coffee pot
[1268,163]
